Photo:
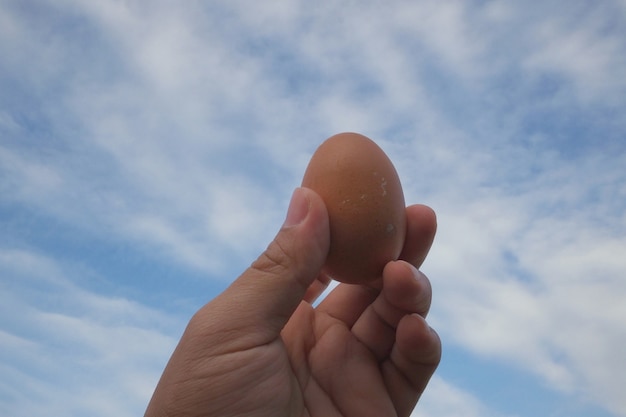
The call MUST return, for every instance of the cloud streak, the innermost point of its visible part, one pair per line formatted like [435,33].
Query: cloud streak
[175,133]
[59,338]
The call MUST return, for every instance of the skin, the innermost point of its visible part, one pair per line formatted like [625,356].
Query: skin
[261,349]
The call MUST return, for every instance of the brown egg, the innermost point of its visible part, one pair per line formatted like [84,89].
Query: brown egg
[365,203]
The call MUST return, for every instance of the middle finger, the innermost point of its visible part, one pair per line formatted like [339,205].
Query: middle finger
[405,291]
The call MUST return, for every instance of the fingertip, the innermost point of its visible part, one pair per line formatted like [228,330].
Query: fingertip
[298,210]
[419,342]
[306,230]
[422,218]
[421,230]
[407,288]
[317,216]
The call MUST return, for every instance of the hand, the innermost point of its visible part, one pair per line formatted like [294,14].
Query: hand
[261,349]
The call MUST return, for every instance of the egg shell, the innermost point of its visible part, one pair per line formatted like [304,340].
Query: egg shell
[365,203]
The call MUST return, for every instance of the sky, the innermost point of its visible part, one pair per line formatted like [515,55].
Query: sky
[148,150]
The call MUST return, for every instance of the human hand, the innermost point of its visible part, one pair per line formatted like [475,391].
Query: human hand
[261,349]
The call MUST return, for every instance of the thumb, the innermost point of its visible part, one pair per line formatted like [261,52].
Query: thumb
[261,301]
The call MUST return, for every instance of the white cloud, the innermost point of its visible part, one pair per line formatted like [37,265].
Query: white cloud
[583,52]
[69,351]
[541,290]
[582,305]
[447,32]
[28,179]
[442,399]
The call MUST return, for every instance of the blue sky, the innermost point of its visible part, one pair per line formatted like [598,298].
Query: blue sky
[148,150]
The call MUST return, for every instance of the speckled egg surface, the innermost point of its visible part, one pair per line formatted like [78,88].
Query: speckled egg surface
[365,203]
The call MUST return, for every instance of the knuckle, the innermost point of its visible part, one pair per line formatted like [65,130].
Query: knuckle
[275,260]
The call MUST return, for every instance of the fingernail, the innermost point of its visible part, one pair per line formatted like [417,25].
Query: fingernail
[298,208]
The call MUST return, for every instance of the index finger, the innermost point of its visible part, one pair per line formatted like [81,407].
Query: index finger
[421,226]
